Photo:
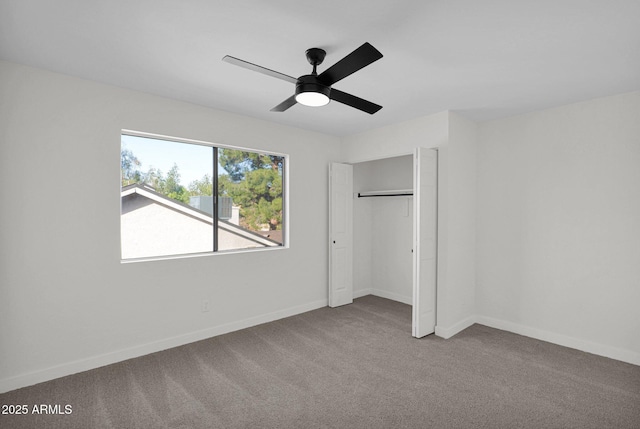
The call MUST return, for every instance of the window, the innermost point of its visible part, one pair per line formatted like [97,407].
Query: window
[182,197]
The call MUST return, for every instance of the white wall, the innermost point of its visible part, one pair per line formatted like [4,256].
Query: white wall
[455,139]
[558,250]
[457,196]
[392,236]
[397,139]
[362,237]
[66,301]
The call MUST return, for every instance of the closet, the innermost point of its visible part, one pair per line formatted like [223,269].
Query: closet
[383,228]
[382,232]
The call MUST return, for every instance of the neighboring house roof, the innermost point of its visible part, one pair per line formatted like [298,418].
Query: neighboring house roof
[149,192]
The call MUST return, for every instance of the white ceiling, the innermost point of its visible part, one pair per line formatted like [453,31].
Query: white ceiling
[483,58]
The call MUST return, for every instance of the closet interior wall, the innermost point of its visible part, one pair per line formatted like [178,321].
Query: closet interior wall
[383,230]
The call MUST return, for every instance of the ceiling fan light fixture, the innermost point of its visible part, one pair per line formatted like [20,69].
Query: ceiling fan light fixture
[312,99]
[311,93]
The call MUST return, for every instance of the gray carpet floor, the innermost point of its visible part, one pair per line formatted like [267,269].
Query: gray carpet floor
[350,367]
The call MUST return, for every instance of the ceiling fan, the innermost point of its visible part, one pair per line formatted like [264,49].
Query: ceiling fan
[315,89]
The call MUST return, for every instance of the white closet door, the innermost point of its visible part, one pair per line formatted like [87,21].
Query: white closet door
[425,188]
[340,234]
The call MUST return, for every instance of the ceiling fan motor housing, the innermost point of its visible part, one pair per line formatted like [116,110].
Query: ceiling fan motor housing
[310,83]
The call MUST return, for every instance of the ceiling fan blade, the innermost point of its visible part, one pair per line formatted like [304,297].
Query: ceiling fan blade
[361,57]
[285,104]
[353,101]
[247,65]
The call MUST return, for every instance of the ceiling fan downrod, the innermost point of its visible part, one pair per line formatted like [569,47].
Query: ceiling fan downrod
[315,56]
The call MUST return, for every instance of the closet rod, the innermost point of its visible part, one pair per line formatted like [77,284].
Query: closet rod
[397,194]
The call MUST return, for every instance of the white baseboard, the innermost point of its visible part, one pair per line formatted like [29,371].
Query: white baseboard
[392,296]
[450,331]
[562,340]
[31,378]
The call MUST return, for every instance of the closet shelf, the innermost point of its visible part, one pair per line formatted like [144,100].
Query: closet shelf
[390,193]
